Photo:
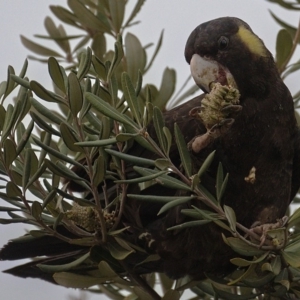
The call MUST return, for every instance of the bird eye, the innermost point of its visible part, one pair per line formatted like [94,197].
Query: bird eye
[223,42]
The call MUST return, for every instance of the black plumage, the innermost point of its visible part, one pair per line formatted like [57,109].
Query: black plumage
[264,135]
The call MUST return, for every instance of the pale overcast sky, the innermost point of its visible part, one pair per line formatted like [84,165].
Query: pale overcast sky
[177,17]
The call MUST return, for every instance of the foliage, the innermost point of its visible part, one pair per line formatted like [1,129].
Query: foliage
[100,106]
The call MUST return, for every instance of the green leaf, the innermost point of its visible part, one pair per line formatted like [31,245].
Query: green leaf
[157,48]
[162,163]
[36,210]
[131,98]
[171,295]
[99,170]
[167,88]
[58,35]
[38,49]
[294,218]
[142,179]
[189,224]
[10,152]
[49,198]
[24,69]
[118,55]
[2,117]
[159,124]
[64,15]
[26,170]
[44,125]
[99,67]
[118,252]
[206,164]
[284,44]
[73,280]
[259,281]
[165,180]
[44,111]
[25,137]
[117,11]
[98,143]
[63,267]
[56,153]
[241,262]
[44,94]
[85,62]
[227,295]
[109,111]
[99,47]
[75,94]
[139,161]
[11,117]
[135,56]
[183,151]
[69,138]
[12,190]
[87,18]
[219,180]
[168,136]
[242,248]
[173,203]
[230,216]
[292,258]
[155,198]
[134,12]
[10,84]
[56,74]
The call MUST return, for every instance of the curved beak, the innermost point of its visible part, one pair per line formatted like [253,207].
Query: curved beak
[205,72]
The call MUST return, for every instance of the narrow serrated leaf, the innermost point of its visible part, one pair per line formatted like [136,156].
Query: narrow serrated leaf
[63,267]
[183,151]
[110,111]
[230,216]
[284,44]
[159,123]
[69,138]
[142,179]
[43,110]
[99,170]
[10,153]
[27,168]
[87,18]
[166,180]
[44,94]
[57,154]
[56,74]
[43,125]
[131,97]
[36,210]
[75,94]
[139,161]
[12,190]
[174,203]
[98,143]
[38,49]
[85,63]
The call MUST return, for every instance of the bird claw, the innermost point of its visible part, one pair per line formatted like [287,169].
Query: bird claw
[232,109]
[264,231]
[220,128]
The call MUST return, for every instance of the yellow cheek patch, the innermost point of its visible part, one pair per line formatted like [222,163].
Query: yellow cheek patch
[253,43]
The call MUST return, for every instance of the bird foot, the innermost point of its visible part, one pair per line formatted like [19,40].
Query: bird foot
[202,141]
[270,233]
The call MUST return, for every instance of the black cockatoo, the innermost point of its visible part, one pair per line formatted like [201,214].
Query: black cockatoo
[261,138]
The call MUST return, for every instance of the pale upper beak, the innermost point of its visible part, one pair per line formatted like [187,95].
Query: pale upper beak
[205,72]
